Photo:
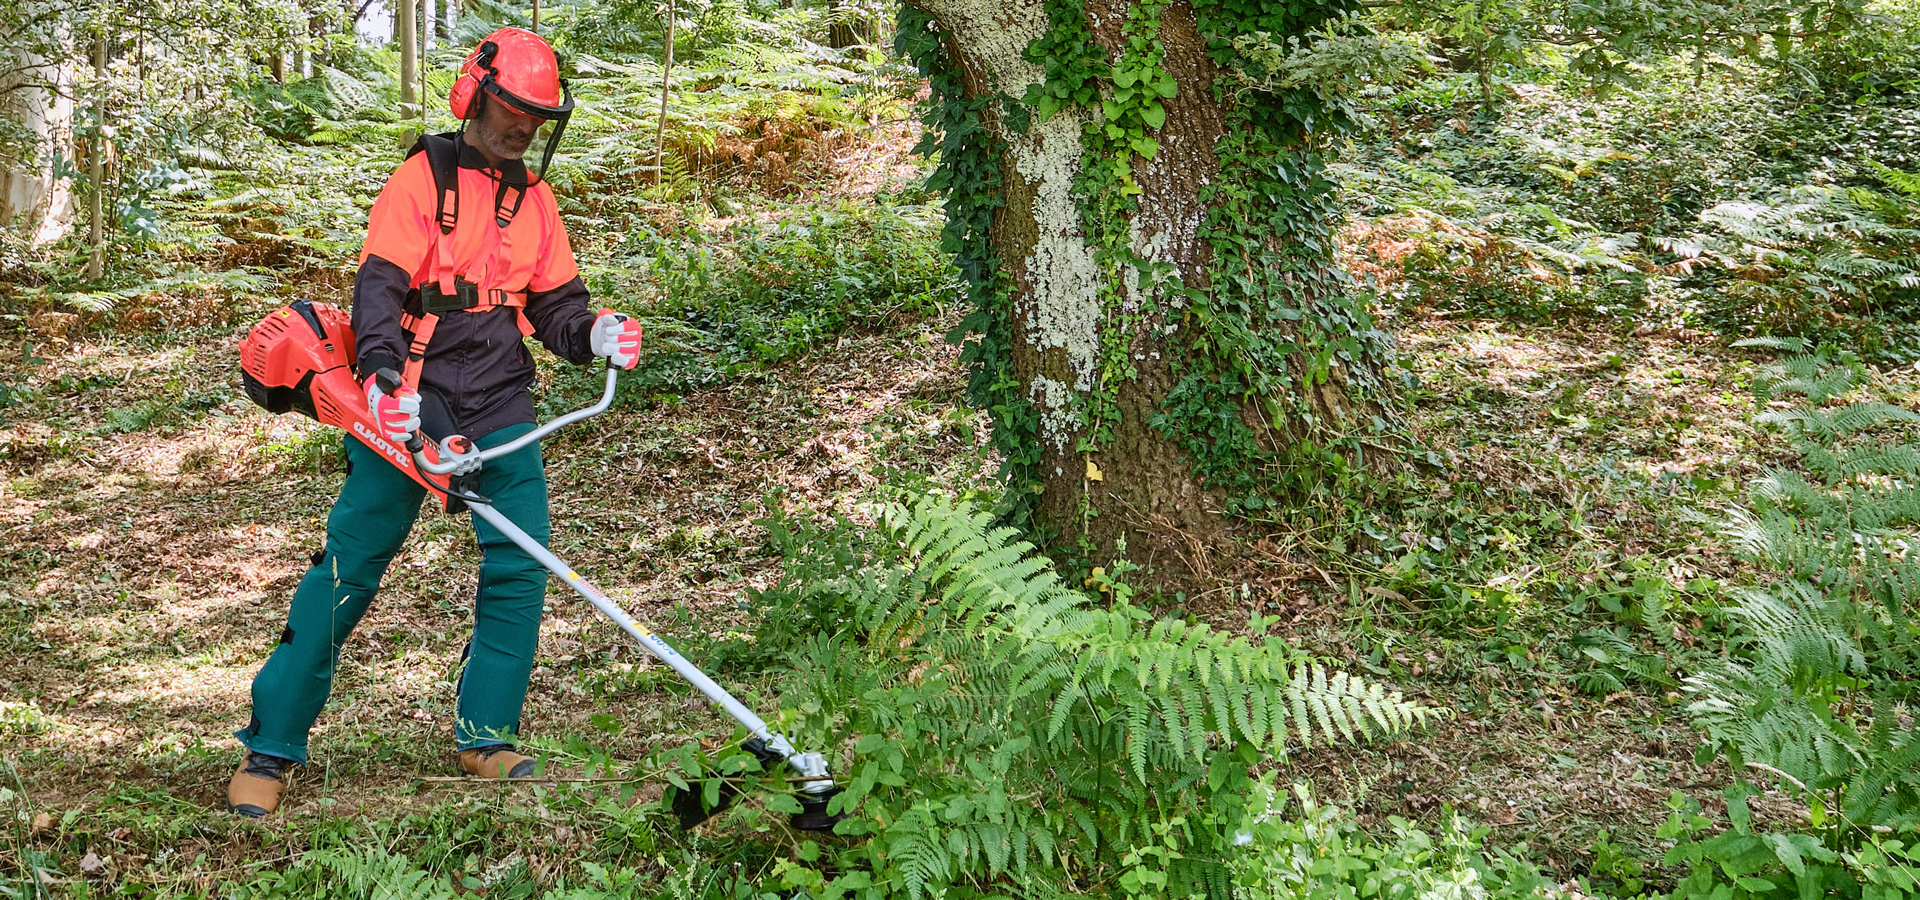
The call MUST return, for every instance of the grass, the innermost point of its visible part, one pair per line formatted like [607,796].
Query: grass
[133,626]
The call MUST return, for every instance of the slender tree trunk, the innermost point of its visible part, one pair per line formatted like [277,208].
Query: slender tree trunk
[535,23]
[1161,333]
[97,165]
[34,97]
[666,81]
[849,27]
[403,12]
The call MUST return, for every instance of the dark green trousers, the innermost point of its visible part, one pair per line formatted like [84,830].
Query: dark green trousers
[367,526]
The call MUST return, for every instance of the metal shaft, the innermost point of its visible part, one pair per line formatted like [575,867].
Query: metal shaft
[653,642]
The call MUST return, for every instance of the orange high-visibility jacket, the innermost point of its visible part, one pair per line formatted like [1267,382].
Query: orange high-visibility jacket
[477,359]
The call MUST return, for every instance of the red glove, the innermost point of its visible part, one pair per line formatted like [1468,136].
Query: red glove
[617,338]
[396,416]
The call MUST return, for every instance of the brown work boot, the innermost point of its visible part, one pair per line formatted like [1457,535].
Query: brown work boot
[256,785]
[497,761]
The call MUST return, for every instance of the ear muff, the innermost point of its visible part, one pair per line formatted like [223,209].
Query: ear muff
[460,101]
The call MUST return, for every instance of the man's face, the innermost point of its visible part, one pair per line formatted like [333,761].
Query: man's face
[502,132]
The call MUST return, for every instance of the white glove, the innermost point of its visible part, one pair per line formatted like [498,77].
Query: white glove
[617,338]
[396,416]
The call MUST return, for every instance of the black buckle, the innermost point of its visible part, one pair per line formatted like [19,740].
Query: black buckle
[466,295]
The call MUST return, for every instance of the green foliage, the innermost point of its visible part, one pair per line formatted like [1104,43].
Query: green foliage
[1820,695]
[1746,863]
[1601,42]
[1007,730]
[1736,196]
[758,295]
[1323,855]
[1827,263]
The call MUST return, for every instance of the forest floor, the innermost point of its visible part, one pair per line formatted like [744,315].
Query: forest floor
[153,524]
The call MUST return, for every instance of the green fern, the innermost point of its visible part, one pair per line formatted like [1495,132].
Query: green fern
[1830,652]
[1006,726]
[377,875]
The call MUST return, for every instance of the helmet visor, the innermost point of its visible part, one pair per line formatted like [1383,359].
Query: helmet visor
[529,107]
[553,122]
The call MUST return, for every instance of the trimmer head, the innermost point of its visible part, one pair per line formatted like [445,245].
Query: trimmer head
[690,805]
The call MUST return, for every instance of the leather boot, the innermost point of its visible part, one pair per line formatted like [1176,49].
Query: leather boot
[497,761]
[257,784]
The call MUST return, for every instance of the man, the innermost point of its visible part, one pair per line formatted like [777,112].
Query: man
[465,257]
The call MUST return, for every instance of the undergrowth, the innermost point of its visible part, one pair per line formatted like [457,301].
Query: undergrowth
[1010,732]
[1817,698]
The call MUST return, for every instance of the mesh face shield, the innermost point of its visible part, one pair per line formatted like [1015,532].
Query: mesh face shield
[553,120]
[555,117]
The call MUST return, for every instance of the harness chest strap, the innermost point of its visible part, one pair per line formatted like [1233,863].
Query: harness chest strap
[443,163]
[419,329]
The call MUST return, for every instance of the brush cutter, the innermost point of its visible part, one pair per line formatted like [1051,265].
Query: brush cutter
[298,358]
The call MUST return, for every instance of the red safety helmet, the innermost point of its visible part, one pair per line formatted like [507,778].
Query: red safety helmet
[520,69]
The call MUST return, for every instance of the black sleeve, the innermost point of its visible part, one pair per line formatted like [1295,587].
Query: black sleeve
[562,319]
[378,292]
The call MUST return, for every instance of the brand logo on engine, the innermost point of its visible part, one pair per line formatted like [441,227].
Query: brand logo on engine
[379,443]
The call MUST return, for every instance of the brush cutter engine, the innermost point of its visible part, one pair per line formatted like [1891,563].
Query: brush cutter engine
[300,359]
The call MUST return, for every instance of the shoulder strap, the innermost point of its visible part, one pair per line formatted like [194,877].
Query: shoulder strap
[443,159]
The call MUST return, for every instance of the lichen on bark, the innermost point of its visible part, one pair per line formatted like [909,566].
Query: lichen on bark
[1149,252]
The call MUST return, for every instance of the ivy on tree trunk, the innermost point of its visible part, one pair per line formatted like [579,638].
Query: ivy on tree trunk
[1158,327]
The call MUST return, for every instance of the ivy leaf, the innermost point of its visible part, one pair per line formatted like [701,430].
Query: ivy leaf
[1126,78]
[1166,87]
[1154,115]
[1145,146]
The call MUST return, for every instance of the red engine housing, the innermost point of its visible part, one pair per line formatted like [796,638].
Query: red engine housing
[300,359]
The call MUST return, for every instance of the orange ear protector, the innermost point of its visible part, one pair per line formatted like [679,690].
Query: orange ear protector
[479,66]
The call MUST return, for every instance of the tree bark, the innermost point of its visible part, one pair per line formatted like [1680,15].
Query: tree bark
[35,95]
[849,27]
[403,17]
[666,82]
[1095,358]
[97,165]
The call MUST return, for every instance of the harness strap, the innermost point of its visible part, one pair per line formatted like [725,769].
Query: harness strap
[419,333]
[454,293]
[419,329]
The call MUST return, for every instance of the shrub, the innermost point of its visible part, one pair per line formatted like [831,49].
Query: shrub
[1817,700]
[1006,730]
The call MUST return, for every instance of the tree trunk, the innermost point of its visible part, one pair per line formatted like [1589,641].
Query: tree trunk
[849,27]
[534,23]
[97,165]
[1160,331]
[403,12]
[666,83]
[35,98]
